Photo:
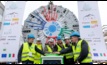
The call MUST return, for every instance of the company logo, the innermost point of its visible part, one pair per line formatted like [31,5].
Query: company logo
[4,49]
[14,23]
[86,26]
[12,36]
[94,49]
[85,22]
[13,6]
[97,41]
[94,26]
[15,19]
[4,55]
[7,19]
[86,7]
[5,43]
[6,23]
[96,38]
[11,39]
[89,40]
[95,54]
[2,39]
[90,35]
[7,32]
[94,22]
[93,44]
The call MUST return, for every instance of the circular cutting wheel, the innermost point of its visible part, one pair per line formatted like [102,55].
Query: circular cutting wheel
[50,21]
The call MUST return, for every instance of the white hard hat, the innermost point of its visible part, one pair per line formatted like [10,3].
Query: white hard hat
[51,40]
[66,38]
[38,39]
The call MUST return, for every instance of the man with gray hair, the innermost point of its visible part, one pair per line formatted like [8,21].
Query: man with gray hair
[50,47]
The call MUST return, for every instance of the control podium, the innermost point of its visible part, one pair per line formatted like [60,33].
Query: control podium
[52,59]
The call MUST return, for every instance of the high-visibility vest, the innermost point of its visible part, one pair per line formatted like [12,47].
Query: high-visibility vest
[77,50]
[59,49]
[49,49]
[28,52]
[69,55]
[38,55]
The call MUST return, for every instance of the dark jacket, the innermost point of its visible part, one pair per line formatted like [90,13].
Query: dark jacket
[83,54]
[20,52]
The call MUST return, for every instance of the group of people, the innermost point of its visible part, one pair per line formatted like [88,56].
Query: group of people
[73,49]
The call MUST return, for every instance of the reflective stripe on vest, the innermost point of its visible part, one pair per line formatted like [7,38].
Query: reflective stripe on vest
[49,49]
[68,55]
[28,53]
[38,55]
[77,50]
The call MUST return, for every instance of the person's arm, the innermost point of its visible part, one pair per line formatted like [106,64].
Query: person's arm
[20,53]
[67,50]
[39,51]
[84,51]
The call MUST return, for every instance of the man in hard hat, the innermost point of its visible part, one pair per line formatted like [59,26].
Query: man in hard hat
[68,56]
[28,50]
[60,45]
[81,49]
[49,48]
[67,41]
[38,55]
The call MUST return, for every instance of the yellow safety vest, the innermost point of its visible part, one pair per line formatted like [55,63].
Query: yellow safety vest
[59,49]
[38,55]
[68,55]
[77,51]
[28,53]
[49,49]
